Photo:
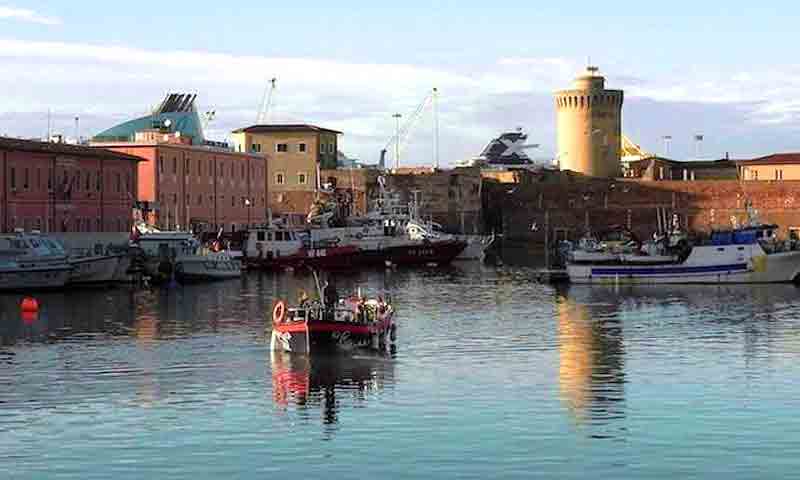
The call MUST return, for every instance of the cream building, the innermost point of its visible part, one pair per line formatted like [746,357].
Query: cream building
[779,166]
[295,154]
[589,124]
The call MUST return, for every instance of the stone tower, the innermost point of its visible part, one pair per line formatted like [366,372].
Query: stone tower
[589,125]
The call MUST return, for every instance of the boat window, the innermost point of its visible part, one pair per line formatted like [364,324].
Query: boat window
[269,236]
[720,249]
[34,243]
[741,249]
[260,236]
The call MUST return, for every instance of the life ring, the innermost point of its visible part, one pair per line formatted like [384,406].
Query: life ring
[279,312]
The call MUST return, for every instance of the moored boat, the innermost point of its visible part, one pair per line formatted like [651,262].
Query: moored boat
[749,254]
[90,268]
[32,261]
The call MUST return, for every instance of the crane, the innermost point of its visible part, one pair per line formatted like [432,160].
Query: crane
[402,133]
[266,102]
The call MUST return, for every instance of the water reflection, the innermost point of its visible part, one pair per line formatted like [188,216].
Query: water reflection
[328,382]
[591,356]
[64,315]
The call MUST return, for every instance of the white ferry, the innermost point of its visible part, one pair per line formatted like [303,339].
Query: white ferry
[32,261]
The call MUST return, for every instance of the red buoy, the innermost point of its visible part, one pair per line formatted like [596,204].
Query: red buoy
[30,305]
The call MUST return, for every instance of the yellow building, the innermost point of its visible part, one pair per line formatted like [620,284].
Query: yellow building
[295,154]
[589,124]
[779,166]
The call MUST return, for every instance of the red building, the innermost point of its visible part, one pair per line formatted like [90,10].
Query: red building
[56,187]
[204,187]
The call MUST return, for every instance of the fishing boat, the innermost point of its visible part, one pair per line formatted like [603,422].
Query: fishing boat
[32,261]
[194,266]
[743,254]
[344,324]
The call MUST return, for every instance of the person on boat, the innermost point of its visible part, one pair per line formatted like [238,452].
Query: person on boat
[303,299]
[331,298]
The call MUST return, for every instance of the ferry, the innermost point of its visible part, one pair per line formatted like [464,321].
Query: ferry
[749,254]
[338,324]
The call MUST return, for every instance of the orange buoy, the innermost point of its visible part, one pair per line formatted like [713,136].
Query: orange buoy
[30,305]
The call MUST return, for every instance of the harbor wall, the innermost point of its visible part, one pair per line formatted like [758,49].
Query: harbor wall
[521,210]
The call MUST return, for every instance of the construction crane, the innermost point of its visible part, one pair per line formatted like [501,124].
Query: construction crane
[403,132]
[266,102]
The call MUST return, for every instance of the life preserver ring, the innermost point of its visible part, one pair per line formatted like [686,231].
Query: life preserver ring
[279,312]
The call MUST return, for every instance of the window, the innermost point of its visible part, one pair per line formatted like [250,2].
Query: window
[282,147]
[174,165]
[119,181]
[301,147]
[13,178]
[25,183]
[221,170]
[243,175]
[301,178]
[88,185]
[233,201]
[175,198]
[39,180]
[127,181]
[199,199]
[187,164]
[260,236]
[331,148]
[256,147]
[754,175]
[99,181]
[98,225]
[188,200]
[279,179]
[77,181]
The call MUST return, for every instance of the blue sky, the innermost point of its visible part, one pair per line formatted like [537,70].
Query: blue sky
[728,72]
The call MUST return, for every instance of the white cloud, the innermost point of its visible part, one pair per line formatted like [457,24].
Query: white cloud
[25,15]
[112,82]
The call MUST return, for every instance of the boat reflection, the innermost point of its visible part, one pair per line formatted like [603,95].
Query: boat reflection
[591,357]
[328,382]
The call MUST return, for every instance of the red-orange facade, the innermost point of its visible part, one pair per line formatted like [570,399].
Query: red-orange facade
[204,188]
[56,187]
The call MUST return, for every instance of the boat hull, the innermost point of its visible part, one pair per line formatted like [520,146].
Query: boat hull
[328,336]
[94,270]
[36,278]
[762,268]
[201,269]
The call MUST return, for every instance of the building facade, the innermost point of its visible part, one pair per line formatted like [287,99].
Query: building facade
[659,168]
[779,166]
[295,155]
[56,187]
[199,187]
[589,124]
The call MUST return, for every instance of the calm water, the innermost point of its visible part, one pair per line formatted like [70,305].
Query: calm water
[494,377]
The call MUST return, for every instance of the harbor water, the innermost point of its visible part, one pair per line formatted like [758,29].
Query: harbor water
[494,376]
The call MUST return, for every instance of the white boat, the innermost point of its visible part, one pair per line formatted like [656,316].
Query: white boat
[743,255]
[181,253]
[207,266]
[32,261]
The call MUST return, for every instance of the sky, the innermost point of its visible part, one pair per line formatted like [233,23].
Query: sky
[729,72]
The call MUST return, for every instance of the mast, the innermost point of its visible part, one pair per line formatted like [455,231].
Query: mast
[436,128]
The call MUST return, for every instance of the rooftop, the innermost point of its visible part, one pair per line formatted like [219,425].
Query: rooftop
[296,127]
[36,146]
[774,159]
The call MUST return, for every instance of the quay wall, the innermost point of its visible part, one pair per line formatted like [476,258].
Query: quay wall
[521,210]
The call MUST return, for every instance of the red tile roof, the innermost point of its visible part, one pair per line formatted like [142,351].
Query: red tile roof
[774,159]
[35,146]
[299,127]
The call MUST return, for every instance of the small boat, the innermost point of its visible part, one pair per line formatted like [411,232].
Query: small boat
[32,261]
[180,253]
[201,266]
[346,324]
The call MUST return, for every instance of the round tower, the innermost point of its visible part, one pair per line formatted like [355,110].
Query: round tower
[589,125]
